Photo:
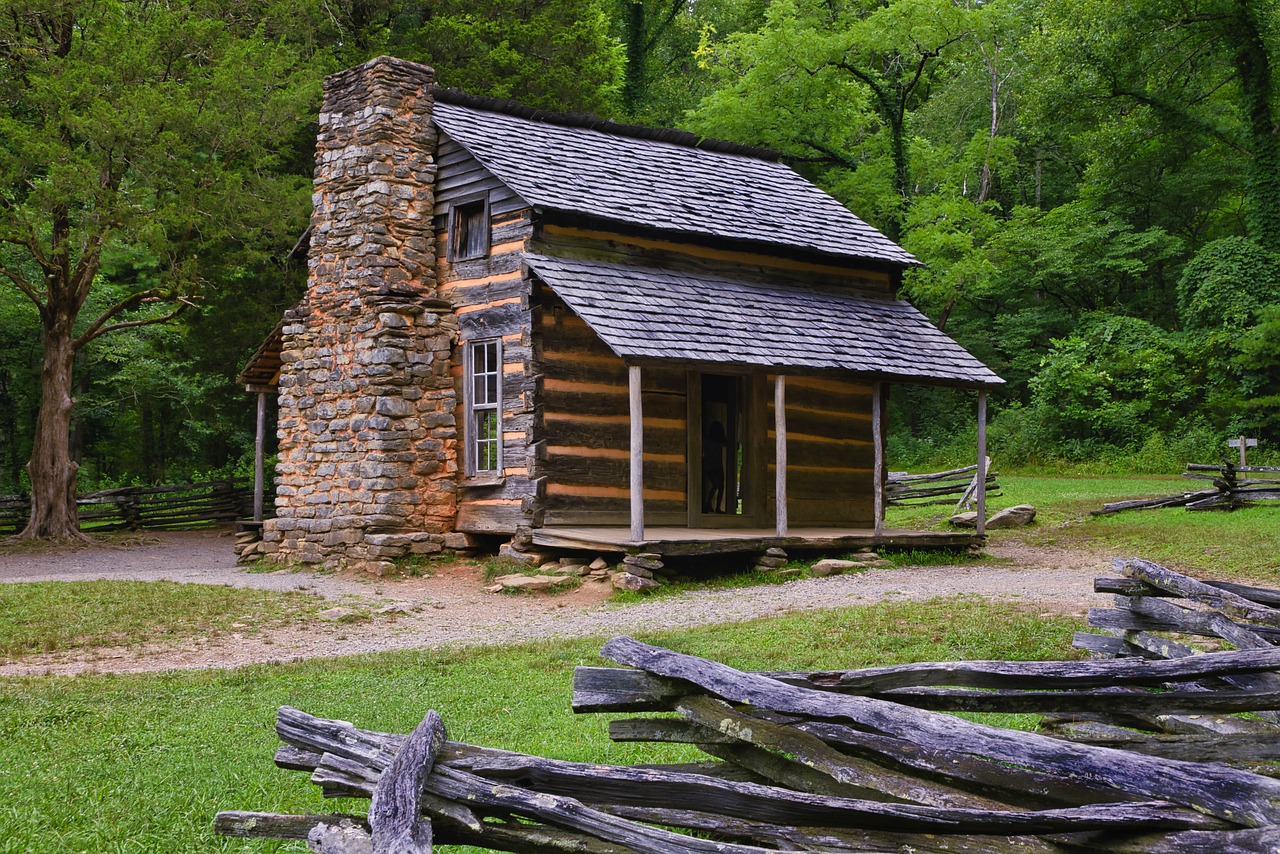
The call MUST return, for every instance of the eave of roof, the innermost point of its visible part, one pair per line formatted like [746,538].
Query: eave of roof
[647,314]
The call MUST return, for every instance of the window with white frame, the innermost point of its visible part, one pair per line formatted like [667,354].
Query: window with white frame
[484,407]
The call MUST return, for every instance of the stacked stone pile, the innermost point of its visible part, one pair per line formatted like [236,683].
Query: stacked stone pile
[249,546]
[773,560]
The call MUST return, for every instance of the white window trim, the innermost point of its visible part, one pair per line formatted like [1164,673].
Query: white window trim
[470,433]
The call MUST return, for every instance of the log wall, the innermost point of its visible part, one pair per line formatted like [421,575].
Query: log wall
[582,422]
[830,456]
[649,252]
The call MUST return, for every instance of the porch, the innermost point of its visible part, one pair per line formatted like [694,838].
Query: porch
[682,541]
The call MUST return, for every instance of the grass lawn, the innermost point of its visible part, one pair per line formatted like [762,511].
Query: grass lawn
[1242,545]
[142,762]
[60,615]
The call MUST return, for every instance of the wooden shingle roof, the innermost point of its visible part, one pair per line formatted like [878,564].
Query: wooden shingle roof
[676,186]
[652,314]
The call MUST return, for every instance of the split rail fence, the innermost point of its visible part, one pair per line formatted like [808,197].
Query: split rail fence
[1230,490]
[140,507]
[940,487]
[1151,748]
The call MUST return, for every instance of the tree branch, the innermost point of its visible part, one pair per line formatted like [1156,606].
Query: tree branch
[129,324]
[23,285]
[100,326]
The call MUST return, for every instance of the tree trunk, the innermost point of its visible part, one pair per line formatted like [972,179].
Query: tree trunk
[51,469]
[1253,65]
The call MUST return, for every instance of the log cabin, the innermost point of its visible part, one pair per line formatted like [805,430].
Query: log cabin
[580,334]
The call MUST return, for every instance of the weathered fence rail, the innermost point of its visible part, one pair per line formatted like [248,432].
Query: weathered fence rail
[138,507]
[940,487]
[1146,751]
[1229,491]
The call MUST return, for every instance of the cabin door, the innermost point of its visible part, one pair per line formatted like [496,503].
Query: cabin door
[724,435]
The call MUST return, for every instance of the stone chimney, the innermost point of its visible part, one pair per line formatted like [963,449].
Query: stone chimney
[367,467]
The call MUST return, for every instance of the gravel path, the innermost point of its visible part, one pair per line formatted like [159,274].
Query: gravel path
[453,610]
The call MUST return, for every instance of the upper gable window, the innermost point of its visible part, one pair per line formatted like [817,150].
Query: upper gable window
[469,229]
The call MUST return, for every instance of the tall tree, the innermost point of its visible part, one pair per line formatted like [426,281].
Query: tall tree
[152,127]
[834,84]
[1203,69]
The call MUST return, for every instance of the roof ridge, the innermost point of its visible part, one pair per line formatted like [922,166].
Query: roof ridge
[674,136]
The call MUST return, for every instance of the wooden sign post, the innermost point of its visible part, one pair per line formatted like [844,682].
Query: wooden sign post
[1242,443]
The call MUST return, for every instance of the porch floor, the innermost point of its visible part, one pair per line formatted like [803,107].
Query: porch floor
[676,541]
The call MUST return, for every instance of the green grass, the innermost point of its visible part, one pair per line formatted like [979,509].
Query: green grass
[60,615]
[141,763]
[1242,545]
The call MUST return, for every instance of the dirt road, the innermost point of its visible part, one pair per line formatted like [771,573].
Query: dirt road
[450,607]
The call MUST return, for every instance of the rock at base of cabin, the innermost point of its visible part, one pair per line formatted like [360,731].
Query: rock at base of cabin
[1013,517]
[527,582]
[377,568]
[968,519]
[831,566]
[458,541]
[634,583]
[527,558]
[335,615]
[774,552]
[790,573]
[598,563]
[768,562]
[645,561]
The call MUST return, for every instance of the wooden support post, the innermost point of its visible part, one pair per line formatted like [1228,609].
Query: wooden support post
[877,440]
[780,428]
[637,455]
[981,474]
[259,439]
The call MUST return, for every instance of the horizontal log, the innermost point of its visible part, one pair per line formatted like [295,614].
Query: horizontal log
[1134,587]
[1111,702]
[265,825]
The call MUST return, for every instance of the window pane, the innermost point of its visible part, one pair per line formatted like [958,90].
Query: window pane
[486,446]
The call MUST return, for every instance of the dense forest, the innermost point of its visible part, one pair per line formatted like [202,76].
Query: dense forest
[1094,188]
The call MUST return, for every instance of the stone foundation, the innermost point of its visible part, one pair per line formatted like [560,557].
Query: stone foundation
[368,441]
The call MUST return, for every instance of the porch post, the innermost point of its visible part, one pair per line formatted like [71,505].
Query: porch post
[982,462]
[877,439]
[780,429]
[257,456]
[637,455]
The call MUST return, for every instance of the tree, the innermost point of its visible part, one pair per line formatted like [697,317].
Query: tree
[152,130]
[554,54]
[834,85]
[1204,69]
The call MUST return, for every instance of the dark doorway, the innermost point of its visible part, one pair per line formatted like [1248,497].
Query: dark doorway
[720,426]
